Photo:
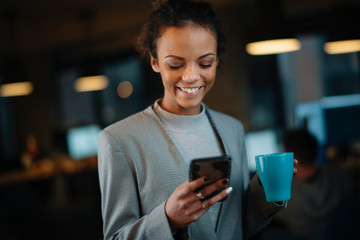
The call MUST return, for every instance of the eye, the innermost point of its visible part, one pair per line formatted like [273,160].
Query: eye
[205,65]
[174,67]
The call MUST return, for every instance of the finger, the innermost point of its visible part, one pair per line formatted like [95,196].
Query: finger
[204,207]
[221,195]
[197,183]
[186,191]
[295,166]
[200,209]
[200,195]
[218,185]
[195,209]
[183,185]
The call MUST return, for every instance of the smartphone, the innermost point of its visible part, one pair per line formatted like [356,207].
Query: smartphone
[215,168]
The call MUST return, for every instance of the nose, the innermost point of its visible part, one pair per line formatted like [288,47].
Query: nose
[190,74]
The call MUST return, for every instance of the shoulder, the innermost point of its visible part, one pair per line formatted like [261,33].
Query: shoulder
[223,116]
[134,124]
[225,120]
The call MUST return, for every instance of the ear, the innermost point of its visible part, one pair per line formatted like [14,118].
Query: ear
[154,64]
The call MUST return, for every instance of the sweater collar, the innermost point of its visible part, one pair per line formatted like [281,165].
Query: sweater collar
[181,123]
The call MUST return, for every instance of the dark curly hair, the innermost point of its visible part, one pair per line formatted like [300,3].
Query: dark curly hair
[177,13]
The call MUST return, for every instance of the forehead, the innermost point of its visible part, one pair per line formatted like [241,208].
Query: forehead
[189,37]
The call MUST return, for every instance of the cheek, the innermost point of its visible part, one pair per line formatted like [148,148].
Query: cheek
[210,77]
[168,80]
[169,77]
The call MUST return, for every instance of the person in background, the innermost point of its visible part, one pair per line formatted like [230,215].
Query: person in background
[32,152]
[352,164]
[317,191]
[144,159]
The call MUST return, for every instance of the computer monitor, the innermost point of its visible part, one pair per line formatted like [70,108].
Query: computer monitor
[332,120]
[260,142]
[82,141]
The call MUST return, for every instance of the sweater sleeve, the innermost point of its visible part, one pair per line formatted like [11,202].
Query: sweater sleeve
[120,203]
[258,212]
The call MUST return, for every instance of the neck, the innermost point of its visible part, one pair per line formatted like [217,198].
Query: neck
[180,110]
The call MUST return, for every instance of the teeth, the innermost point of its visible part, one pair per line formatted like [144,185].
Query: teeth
[190,90]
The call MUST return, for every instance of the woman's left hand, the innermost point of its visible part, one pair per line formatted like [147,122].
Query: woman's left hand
[295,166]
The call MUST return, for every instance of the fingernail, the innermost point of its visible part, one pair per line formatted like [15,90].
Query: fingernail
[225,181]
[229,190]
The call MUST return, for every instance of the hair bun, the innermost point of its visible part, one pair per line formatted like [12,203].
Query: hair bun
[156,4]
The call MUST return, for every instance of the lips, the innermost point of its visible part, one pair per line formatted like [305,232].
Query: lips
[190,90]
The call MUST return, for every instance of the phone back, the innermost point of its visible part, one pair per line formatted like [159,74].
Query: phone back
[214,168]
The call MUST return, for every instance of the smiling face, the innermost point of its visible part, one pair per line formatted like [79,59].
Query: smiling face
[186,61]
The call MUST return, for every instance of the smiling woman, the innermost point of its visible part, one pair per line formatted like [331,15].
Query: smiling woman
[144,159]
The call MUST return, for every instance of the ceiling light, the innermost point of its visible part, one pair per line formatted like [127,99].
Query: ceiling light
[345,46]
[91,83]
[125,89]
[275,46]
[16,89]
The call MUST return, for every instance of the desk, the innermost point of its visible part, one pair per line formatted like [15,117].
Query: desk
[56,195]
[47,168]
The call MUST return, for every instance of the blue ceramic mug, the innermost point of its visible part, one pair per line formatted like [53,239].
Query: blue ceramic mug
[276,172]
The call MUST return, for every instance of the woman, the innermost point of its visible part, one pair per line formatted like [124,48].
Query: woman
[144,159]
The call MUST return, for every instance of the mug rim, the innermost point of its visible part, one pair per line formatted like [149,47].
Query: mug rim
[281,154]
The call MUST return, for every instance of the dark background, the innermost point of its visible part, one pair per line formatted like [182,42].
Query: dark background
[50,42]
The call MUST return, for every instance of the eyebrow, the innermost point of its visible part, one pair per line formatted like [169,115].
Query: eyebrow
[181,58]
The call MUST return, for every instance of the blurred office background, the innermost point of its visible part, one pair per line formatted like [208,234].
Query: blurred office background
[48,172]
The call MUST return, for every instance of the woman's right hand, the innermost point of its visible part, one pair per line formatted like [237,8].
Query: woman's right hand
[185,206]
